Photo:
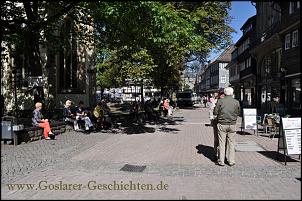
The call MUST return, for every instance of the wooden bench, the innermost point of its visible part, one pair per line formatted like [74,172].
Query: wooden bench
[33,133]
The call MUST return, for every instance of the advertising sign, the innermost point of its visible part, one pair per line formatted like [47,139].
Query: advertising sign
[293,141]
[292,132]
[250,118]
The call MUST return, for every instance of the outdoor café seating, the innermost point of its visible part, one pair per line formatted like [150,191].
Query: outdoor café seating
[271,124]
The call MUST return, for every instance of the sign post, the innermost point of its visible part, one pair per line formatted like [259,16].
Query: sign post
[250,119]
[290,137]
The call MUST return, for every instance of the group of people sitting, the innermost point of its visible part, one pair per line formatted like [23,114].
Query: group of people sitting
[85,120]
[166,107]
[80,117]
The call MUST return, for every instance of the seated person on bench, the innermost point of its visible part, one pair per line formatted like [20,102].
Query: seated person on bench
[101,113]
[68,116]
[98,113]
[81,114]
[38,121]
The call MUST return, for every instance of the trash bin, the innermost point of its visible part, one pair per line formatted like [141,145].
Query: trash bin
[8,129]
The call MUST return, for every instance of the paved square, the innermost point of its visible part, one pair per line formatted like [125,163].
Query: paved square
[178,156]
[248,146]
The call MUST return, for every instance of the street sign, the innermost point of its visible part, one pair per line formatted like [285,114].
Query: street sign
[293,141]
[250,118]
[291,123]
[290,136]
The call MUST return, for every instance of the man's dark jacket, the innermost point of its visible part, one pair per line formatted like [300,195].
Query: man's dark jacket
[227,110]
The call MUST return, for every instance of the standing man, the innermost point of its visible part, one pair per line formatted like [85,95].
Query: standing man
[213,119]
[227,110]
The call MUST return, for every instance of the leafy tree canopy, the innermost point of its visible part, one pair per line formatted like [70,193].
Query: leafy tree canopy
[135,40]
[169,33]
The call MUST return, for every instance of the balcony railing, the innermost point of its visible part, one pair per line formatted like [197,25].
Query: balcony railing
[248,71]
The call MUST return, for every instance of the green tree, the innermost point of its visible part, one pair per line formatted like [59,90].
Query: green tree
[169,33]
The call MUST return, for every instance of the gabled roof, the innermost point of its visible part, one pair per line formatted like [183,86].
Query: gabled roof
[225,56]
[248,21]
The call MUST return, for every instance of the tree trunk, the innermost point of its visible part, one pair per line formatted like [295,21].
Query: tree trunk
[161,92]
[142,92]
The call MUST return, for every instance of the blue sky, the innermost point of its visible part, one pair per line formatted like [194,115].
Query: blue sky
[240,11]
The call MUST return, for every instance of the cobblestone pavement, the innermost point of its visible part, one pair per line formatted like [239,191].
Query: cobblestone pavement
[177,152]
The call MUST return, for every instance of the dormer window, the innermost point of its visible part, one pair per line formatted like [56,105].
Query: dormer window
[287,42]
[295,38]
[293,6]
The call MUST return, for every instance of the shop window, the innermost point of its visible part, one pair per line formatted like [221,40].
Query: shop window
[296,92]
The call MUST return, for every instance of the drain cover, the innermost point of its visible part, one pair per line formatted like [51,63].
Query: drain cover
[248,146]
[133,168]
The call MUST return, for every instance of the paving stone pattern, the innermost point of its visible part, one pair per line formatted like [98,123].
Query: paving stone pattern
[178,152]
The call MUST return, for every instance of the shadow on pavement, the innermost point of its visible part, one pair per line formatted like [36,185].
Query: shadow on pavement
[141,128]
[138,129]
[243,133]
[125,122]
[168,130]
[269,135]
[189,107]
[168,120]
[279,157]
[207,151]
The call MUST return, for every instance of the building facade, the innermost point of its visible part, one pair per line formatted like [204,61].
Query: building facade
[276,50]
[290,58]
[266,49]
[234,74]
[218,73]
[67,73]
[214,76]
[243,65]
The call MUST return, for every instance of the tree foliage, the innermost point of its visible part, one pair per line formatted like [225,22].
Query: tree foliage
[145,40]
[168,32]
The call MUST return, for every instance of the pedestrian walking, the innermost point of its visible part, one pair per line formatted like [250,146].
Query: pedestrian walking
[204,100]
[227,110]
